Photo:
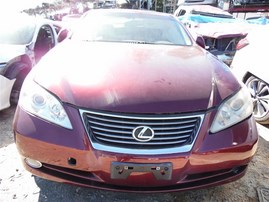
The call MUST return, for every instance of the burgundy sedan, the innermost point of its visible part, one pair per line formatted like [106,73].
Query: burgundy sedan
[130,102]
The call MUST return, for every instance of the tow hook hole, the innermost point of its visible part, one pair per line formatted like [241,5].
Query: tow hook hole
[128,168]
[72,161]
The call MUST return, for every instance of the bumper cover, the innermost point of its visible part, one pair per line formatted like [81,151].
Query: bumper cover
[68,157]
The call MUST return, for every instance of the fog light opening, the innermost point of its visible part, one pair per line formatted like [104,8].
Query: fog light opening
[33,163]
[72,161]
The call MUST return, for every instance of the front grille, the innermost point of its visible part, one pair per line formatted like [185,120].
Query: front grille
[113,130]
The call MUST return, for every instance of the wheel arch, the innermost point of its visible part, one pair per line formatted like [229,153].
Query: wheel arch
[14,68]
[248,75]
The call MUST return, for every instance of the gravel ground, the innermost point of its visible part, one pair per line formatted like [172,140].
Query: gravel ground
[16,184]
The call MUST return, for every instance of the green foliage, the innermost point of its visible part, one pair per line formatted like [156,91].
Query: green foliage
[159,6]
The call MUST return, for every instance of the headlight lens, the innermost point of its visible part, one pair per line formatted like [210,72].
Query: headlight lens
[36,100]
[233,110]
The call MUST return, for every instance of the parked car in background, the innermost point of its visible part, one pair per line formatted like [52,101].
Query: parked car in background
[250,65]
[70,20]
[23,41]
[204,10]
[71,17]
[244,6]
[197,2]
[261,20]
[220,30]
[159,114]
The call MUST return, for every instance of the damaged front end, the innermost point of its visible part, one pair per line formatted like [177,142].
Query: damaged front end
[223,48]
[221,38]
[221,32]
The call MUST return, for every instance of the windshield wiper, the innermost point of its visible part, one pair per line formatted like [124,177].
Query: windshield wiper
[135,41]
[121,41]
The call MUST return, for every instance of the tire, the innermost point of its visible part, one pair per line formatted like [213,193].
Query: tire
[15,92]
[259,91]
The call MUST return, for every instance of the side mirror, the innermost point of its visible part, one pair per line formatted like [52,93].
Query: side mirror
[62,35]
[200,41]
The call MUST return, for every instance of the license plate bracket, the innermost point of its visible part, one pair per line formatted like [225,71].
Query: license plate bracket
[121,170]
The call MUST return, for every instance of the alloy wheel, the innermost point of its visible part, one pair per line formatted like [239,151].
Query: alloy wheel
[259,91]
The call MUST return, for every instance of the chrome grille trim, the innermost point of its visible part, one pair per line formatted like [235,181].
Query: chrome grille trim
[146,118]
[112,132]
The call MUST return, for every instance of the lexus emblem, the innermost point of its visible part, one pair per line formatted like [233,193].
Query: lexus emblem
[143,133]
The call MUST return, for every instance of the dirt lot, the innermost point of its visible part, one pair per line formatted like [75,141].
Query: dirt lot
[16,184]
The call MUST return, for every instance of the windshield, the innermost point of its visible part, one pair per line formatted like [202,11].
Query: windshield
[16,31]
[131,28]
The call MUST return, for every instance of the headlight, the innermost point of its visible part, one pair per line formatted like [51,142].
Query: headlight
[39,102]
[233,110]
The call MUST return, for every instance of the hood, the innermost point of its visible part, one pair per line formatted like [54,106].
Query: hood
[9,52]
[135,77]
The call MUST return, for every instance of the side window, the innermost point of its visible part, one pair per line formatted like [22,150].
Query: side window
[181,12]
[44,42]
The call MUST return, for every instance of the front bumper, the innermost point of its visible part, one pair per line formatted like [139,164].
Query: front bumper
[67,156]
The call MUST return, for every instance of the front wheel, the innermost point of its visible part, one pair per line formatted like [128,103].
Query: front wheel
[259,91]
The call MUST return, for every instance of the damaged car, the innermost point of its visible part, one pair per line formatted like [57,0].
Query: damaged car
[159,114]
[23,41]
[220,30]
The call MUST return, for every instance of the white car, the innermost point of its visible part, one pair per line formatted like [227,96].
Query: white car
[23,41]
[250,65]
[220,30]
